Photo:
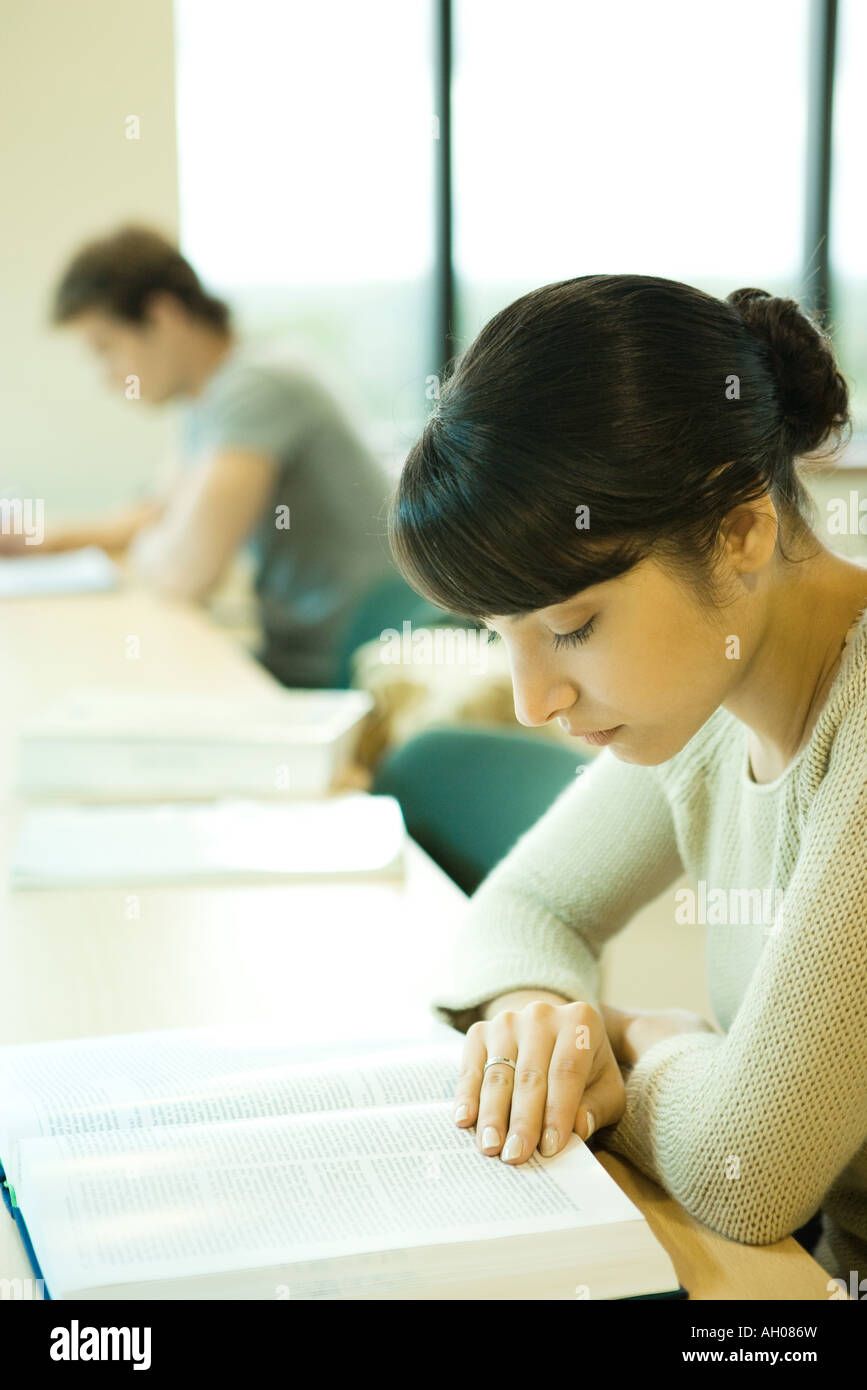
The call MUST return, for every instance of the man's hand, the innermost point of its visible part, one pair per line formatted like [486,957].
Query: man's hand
[111,532]
[15,543]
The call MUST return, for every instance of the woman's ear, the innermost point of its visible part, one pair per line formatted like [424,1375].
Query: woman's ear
[750,534]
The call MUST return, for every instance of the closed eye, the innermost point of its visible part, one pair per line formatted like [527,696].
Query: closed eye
[561,639]
[581,634]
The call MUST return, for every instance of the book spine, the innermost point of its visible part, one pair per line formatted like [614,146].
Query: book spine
[15,1212]
[29,1251]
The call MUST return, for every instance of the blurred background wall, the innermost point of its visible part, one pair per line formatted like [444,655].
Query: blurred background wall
[70,76]
[296,149]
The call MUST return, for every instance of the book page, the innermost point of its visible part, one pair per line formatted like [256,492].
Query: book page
[177,1202]
[190,1076]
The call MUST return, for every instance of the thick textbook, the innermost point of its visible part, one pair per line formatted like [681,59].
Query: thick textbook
[103,744]
[221,1164]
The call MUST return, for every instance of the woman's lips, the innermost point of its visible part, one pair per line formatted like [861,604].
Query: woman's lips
[602,737]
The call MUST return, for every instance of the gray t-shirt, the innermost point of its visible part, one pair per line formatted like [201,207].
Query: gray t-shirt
[311,572]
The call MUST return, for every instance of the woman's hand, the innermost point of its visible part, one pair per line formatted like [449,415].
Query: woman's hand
[632,1031]
[566,1078]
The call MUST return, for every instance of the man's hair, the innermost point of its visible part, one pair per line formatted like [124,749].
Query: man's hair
[118,273]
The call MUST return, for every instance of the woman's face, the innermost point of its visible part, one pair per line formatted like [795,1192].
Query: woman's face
[654,664]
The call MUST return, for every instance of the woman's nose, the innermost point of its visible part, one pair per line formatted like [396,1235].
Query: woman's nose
[539,700]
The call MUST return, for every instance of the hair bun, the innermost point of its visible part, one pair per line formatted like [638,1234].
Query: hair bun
[814,396]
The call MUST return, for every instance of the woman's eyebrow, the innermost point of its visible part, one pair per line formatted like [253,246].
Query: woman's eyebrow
[585,600]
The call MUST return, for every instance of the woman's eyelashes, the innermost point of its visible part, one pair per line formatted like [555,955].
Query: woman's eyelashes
[569,639]
[561,639]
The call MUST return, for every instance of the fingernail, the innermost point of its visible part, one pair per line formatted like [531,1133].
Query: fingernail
[462,1112]
[514,1147]
[550,1140]
[490,1138]
[591,1123]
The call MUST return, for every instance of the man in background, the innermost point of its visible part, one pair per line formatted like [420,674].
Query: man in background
[267,456]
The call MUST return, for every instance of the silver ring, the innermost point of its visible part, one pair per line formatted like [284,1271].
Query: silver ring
[491,1060]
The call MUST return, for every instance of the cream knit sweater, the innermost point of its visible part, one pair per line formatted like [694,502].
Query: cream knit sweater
[755,1130]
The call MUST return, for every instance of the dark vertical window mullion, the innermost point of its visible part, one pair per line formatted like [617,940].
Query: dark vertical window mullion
[444,274]
[817,288]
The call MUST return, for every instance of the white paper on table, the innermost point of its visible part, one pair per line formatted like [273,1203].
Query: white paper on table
[71,572]
[76,846]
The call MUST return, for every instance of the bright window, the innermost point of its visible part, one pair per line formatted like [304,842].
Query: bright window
[306,142]
[628,137]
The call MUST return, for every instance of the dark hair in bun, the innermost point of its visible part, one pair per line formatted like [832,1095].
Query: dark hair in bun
[813,395]
[652,406]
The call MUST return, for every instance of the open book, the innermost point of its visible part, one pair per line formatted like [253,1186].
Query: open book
[218,1163]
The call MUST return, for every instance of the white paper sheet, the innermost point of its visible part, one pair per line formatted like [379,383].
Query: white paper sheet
[83,845]
[69,572]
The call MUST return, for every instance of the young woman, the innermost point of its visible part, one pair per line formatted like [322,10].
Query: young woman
[610,483]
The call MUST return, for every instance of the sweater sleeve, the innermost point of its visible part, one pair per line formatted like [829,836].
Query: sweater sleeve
[748,1131]
[604,848]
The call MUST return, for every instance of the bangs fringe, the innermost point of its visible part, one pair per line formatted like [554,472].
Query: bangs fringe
[480,562]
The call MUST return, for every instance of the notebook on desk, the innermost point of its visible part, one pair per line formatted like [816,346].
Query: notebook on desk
[213,1163]
[353,835]
[84,571]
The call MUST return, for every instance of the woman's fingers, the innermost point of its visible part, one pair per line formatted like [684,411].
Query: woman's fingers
[601,1104]
[473,1059]
[536,1036]
[569,1070]
[495,1100]
[548,1094]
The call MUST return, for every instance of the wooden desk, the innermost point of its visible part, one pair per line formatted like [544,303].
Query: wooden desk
[330,959]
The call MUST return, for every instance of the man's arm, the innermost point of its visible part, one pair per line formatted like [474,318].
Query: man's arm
[113,532]
[185,554]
